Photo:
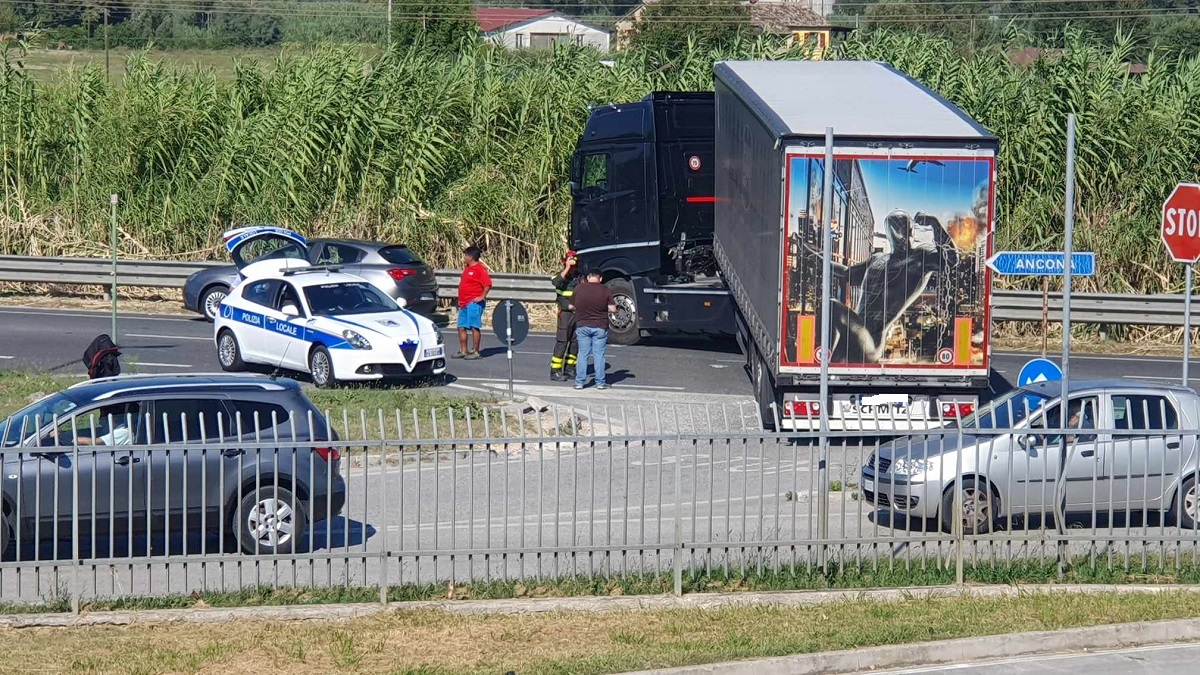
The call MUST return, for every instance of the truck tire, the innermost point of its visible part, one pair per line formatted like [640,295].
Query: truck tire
[623,327]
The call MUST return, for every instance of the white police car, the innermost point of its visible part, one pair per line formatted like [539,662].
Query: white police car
[318,320]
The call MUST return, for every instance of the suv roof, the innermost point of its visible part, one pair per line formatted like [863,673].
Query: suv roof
[108,387]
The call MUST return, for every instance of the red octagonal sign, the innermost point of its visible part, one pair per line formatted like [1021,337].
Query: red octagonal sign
[1181,223]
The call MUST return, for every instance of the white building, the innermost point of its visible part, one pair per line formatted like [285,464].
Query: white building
[519,28]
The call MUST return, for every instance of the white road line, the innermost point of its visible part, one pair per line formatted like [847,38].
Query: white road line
[169,337]
[34,311]
[490,380]
[1100,357]
[160,365]
[7,358]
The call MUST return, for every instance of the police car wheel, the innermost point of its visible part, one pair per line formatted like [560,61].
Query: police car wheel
[229,353]
[320,367]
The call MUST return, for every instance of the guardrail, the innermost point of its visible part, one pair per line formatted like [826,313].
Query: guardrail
[1146,310]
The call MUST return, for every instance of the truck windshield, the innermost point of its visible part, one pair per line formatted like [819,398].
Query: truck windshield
[1006,411]
[27,422]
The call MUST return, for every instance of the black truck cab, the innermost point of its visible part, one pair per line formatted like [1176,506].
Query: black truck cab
[642,211]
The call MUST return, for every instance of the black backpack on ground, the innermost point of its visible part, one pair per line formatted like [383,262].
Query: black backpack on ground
[102,358]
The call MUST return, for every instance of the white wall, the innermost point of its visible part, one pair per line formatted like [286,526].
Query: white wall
[523,36]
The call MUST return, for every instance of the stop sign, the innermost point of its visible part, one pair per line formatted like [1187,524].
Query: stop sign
[1181,223]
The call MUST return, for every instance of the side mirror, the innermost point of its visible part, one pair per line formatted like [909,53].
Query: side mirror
[401,302]
[574,187]
[1027,441]
[289,310]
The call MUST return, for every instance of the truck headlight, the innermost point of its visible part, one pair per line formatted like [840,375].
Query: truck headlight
[357,341]
[908,466]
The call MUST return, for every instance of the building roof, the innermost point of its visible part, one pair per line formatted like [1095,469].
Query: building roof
[498,18]
[861,99]
[781,16]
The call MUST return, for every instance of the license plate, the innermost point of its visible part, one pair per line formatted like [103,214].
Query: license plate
[436,351]
[868,485]
[883,405]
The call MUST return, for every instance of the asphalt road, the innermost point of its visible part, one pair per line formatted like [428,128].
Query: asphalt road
[1158,660]
[692,369]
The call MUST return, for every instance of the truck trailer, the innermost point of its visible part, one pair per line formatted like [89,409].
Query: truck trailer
[722,208]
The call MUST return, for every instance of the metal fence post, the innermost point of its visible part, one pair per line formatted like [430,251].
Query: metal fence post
[677,563]
[75,591]
[826,337]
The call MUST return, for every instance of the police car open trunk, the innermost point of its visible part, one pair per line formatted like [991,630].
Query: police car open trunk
[912,220]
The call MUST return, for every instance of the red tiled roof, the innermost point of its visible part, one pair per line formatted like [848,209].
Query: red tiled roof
[495,18]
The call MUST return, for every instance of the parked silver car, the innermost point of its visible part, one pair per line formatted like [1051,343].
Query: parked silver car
[1131,452]
[392,268]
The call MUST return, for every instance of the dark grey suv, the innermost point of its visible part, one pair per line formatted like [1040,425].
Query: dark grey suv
[244,458]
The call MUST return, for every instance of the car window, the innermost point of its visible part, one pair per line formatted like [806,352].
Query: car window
[339,254]
[595,175]
[1082,414]
[30,420]
[258,415]
[269,248]
[116,424]
[1143,412]
[398,255]
[347,298]
[288,297]
[189,420]
[261,292]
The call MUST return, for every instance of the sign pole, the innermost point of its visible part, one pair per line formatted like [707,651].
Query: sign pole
[1063,405]
[1187,323]
[112,200]
[826,353]
[509,342]
[1045,313]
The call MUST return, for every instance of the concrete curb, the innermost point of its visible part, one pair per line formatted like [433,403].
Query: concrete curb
[987,648]
[576,604]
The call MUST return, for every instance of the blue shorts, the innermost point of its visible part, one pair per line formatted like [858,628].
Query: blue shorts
[471,316]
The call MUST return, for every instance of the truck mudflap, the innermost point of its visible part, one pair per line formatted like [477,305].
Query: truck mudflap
[876,411]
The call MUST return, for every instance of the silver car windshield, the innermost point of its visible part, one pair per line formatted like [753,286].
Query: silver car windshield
[1005,412]
[348,298]
[27,422]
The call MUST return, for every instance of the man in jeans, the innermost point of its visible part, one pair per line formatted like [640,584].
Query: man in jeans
[473,289]
[593,303]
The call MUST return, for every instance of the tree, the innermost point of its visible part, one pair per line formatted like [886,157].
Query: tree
[666,26]
[440,27]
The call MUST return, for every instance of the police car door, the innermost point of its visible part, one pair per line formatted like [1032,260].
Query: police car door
[286,330]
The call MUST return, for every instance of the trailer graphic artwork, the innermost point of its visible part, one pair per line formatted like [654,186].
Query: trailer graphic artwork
[910,238]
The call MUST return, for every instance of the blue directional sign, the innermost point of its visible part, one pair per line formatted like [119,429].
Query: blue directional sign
[1042,263]
[1038,370]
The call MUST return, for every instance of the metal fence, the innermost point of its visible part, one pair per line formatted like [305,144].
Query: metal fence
[669,491]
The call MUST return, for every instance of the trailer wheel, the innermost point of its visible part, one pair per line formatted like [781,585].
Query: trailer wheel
[623,327]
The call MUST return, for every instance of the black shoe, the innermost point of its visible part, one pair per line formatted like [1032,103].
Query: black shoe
[569,374]
[557,376]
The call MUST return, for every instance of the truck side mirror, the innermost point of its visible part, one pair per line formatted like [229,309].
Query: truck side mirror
[574,188]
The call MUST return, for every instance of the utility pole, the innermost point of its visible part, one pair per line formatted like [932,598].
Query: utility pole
[106,62]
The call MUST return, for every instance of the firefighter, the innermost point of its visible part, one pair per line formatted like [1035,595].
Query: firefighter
[566,349]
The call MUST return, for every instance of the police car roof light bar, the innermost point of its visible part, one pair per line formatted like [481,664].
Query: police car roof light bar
[289,271]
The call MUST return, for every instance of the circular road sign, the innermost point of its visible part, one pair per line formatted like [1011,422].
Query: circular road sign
[694,162]
[520,321]
[1181,223]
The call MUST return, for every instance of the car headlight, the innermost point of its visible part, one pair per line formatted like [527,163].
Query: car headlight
[357,341]
[908,466]
[441,339]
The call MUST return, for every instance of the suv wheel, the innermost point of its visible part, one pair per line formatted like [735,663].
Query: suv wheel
[269,521]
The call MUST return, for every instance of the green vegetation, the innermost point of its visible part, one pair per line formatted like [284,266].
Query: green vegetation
[435,641]
[440,151]
[677,26]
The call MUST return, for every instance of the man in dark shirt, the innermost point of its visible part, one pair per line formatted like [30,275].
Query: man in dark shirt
[562,361]
[593,304]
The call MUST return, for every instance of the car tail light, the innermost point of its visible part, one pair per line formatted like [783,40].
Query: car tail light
[957,410]
[402,273]
[328,454]
[802,408]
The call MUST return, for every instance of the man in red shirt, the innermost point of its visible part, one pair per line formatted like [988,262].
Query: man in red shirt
[473,287]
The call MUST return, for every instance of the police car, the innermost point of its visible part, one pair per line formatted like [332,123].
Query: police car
[334,326]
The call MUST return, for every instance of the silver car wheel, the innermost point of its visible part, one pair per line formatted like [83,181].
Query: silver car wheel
[319,367]
[977,508]
[227,350]
[1191,502]
[626,312]
[270,522]
[212,303]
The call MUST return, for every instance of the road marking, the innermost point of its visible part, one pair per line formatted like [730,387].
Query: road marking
[1155,377]
[160,365]
[169,337]
[7,358]
[489,380]
[1101,357]
[96,315]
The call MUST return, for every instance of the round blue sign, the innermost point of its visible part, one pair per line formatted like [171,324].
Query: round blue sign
[1038,370]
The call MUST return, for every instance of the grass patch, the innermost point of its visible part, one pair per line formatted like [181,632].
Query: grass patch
[433,641]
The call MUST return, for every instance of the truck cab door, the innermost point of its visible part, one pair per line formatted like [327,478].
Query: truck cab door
[610,210]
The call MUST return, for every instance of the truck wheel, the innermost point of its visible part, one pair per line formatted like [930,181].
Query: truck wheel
[623,327]
[764,391]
